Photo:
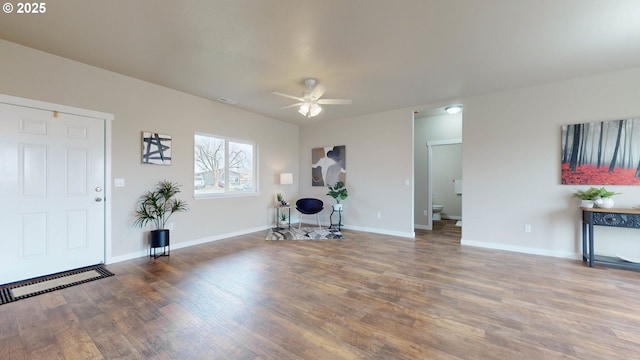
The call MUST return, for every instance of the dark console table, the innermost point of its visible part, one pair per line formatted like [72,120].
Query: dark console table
[624,218]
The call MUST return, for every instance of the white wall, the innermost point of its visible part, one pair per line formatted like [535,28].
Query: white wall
[139,106]
[379,161]
[511,165]
[511,156]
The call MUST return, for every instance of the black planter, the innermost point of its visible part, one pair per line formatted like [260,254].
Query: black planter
[159,238]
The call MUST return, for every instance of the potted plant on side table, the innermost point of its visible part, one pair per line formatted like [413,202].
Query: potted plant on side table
[600,197]
[156,207]
[338,192]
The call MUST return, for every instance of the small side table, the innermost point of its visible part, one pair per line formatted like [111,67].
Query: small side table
[278,208]
[339,224]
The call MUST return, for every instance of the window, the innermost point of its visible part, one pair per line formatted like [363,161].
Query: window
[224,166]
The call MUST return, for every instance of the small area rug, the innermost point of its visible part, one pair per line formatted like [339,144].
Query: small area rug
[305,233]
[36,286]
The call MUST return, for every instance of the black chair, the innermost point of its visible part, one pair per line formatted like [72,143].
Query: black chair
[309,206]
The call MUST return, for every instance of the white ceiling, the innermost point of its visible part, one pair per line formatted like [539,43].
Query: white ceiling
[383,54]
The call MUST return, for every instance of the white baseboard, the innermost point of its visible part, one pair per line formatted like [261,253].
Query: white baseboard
[521,249]
[451,217]
[365,229]
[129,256]
[381,231]
[175,246]
[180,245]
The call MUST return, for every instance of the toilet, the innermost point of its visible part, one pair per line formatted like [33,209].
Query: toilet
[437,209]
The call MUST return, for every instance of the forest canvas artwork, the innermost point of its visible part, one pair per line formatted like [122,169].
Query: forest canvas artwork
[601,153]
[328,165]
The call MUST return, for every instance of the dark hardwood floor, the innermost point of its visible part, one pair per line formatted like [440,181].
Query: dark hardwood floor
[366,297]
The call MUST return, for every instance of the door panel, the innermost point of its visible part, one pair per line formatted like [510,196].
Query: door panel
[51,174]
[33,166]
[33,236]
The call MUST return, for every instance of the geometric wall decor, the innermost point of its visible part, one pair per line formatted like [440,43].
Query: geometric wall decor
[156,148]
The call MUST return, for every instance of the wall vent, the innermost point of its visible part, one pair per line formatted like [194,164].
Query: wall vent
[226,101]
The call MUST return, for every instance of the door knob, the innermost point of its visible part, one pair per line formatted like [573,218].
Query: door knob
[98,199]
[98,189]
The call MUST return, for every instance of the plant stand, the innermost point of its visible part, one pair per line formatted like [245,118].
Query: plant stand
[159,239]
[278,223]
[339,224]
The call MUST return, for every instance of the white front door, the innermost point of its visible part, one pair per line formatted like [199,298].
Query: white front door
[51,192]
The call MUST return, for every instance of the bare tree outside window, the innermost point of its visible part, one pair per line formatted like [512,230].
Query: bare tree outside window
[241,166]
[209,163]
[223,166]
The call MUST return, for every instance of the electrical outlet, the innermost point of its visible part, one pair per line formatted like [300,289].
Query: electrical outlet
[379,215]
[527,228]
[426,213]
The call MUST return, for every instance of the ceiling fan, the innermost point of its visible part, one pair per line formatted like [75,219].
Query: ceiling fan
[309,103]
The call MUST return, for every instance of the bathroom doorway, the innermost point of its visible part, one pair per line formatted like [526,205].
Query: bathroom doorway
[444,180]
[440,129]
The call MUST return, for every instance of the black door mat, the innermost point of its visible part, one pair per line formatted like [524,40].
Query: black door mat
[23,289]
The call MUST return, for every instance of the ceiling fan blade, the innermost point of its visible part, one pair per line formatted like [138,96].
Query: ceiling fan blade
[292,105]
[334,101]
[288,96]
[318,91]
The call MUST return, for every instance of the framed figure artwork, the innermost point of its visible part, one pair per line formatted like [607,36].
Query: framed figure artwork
[328,165]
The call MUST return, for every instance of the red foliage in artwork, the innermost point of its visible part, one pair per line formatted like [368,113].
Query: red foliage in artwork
[611,144]
[591,175]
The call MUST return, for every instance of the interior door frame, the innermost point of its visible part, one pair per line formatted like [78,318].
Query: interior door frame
[107,120]
[430,145]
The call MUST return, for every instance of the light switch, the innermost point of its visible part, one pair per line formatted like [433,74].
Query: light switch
[118,182]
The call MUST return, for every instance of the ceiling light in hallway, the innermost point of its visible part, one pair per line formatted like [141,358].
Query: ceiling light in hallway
[453,109]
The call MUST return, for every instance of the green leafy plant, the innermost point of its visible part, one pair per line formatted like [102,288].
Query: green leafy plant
[158,205]
[594,193]
[338,191]
[283,217]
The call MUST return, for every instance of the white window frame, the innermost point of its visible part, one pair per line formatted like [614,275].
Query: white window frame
[227,192]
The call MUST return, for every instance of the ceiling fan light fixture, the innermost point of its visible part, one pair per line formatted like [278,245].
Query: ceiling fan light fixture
[315,110]
[304,109]
[453,109]
[309,104]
